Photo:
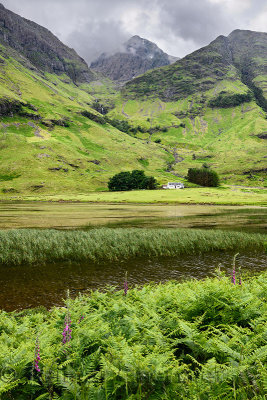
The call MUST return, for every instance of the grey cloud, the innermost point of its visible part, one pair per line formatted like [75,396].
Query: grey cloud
[180,26]
[200,21]
[96,37]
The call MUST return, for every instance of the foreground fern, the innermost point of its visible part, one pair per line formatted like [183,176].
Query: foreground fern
[192,340]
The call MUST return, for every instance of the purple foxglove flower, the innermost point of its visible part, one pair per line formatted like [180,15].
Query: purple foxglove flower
[67,329]
[233,276]
[125,285]
[233,273]
[37,357]
[81,318]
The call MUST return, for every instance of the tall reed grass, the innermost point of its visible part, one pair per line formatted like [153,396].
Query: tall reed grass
[41,246]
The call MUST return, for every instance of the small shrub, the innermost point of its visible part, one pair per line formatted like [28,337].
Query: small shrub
[99,108]
[94,117]
[121,125]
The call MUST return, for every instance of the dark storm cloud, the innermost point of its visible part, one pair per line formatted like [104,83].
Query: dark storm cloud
[177,26]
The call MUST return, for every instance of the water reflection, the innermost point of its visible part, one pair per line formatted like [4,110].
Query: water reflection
[88,215]
[32,286]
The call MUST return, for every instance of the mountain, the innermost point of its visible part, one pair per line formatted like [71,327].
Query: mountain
[52,139]
[239,57]
[135,57]
[66,131]
[39,46]
[209,107]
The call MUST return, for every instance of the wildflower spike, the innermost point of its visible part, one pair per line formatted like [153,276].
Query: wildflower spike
[125,285]
[233,273]
[37,357]
[67,329]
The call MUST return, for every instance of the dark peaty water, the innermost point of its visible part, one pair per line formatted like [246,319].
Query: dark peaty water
[46,285]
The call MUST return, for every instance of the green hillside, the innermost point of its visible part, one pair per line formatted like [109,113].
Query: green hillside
[48,146]
[208,108]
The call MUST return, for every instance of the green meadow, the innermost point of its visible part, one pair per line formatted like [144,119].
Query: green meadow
[220,196]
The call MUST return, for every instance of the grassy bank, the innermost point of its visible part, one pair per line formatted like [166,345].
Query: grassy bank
[201,340]
[220,196]
[106,244]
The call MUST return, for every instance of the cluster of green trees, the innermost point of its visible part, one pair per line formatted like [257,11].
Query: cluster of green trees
[203,177]
[225,100]
[124,126]
[121,125]
[131,180]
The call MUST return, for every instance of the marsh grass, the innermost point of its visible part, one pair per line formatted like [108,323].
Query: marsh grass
[28,246]
[196,340]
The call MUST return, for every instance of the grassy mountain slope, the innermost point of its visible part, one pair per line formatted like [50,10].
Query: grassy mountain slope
[47,146]
[209,107]
[39,46]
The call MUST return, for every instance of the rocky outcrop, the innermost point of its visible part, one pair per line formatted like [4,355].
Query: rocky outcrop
[9,107]
[134,58]
[44,50]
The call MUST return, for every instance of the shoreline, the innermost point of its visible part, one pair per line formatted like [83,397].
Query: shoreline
[190,196]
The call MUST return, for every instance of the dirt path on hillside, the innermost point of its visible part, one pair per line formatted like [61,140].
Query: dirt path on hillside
[122,110]
[177,160]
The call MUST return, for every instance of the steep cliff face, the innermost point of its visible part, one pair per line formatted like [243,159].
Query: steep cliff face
[135,57]
[239,57]
[249,55]
[44,50]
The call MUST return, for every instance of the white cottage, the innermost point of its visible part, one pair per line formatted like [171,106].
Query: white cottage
[173,185]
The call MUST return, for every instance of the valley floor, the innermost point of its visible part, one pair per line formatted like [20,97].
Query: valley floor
[231,195]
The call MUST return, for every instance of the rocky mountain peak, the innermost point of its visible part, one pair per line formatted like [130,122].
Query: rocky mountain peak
[134,57]
[143,47]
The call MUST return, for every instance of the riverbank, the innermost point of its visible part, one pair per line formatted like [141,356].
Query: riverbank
[218,196]
[197,339]
[29,246]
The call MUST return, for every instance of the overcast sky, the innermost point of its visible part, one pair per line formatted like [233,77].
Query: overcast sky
[177,26]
